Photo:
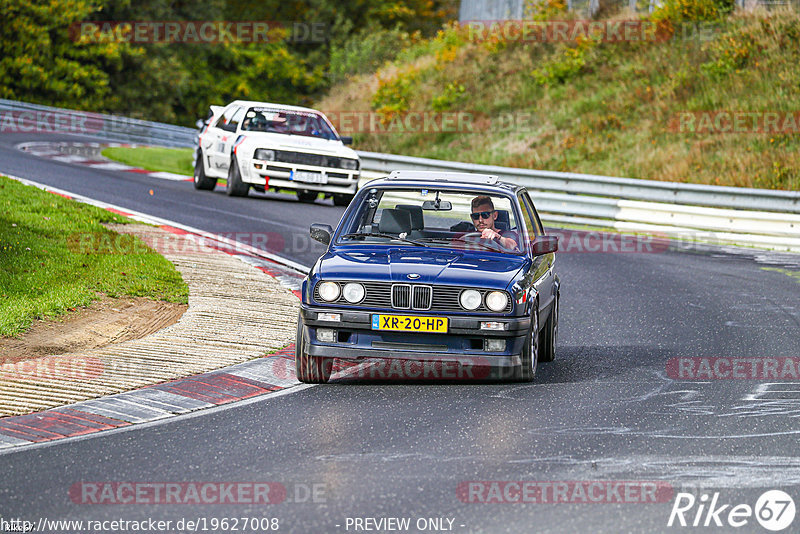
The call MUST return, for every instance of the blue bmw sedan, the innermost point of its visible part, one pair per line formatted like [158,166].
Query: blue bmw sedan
[449,268]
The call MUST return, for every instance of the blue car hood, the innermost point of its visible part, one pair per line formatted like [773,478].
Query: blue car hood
[394,264]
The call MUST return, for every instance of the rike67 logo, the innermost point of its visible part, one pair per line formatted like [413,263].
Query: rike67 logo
[774,510]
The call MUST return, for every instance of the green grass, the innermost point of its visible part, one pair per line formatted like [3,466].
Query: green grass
[43,272]
[175,160]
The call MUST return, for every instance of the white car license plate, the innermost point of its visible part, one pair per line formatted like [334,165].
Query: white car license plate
[309,177]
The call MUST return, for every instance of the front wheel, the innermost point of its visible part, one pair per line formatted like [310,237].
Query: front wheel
[530,351]
[342,199]
[307,196]
[547,341]
[236,187]
[310,369]
[201,181]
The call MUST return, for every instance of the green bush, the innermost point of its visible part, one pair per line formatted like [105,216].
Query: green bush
[367,51]
[453,94]
[393,94]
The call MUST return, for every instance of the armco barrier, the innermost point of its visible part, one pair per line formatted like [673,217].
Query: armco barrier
[33,118]
[732,215]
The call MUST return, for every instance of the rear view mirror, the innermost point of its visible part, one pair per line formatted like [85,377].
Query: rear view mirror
[545,244]
[346,140]
[437,205]
[321,232]
[200,123]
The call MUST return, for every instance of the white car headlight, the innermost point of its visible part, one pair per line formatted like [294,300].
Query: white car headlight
[329,291]
[264,154]
[470,299]
[496,301]
[353,292]
[351,164]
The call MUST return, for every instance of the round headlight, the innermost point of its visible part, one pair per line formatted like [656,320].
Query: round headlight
[264,154]
[353,292]
[496,301]
[351,164]
[329,291]
[470,299]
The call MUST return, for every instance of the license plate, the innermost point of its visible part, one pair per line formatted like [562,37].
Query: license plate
[309,177]
[409,323]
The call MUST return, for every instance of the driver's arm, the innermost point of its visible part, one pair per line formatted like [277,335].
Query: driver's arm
[494,235]
[508,243]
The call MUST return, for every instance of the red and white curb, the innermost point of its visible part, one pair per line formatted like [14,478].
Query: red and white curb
[61,151]
[258,377]
[235,383]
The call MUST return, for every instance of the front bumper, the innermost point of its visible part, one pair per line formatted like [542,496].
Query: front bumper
[279,175]
[464,341]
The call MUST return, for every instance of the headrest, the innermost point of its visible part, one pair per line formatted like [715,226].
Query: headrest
[395,222]
[503,221]
[417,219]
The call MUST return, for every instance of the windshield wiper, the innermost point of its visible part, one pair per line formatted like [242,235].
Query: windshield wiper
[387,236]
[451,239]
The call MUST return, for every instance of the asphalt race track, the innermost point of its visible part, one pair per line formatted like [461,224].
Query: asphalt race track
[605,410]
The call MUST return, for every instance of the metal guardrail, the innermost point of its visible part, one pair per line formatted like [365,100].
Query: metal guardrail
[25,117]
[755,217]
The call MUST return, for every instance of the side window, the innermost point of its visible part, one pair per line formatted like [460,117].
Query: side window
[226,117]
[234,122]
[528,217]
[537,222]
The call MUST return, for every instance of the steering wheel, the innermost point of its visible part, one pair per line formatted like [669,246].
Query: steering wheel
[472,234]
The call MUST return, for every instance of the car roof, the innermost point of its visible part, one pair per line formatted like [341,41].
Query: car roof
[253,103]
[446,180]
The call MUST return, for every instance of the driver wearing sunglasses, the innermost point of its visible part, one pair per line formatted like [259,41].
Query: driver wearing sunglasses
[483,217]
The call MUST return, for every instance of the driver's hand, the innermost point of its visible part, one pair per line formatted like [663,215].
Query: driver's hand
[490,234]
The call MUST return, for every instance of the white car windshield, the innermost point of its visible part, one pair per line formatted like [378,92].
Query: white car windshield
[272,120]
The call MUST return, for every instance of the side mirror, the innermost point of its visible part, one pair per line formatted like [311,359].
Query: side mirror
[321,232]
[545,244]
[346,140]
[200,123]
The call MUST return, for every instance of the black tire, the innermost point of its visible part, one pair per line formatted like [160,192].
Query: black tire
[201,181]
[310,369]
[307,196]
[530,351]
[236,187]
[547,339]
[342,199]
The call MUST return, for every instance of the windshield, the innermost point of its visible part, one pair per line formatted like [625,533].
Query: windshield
[428,217]
[282,121]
